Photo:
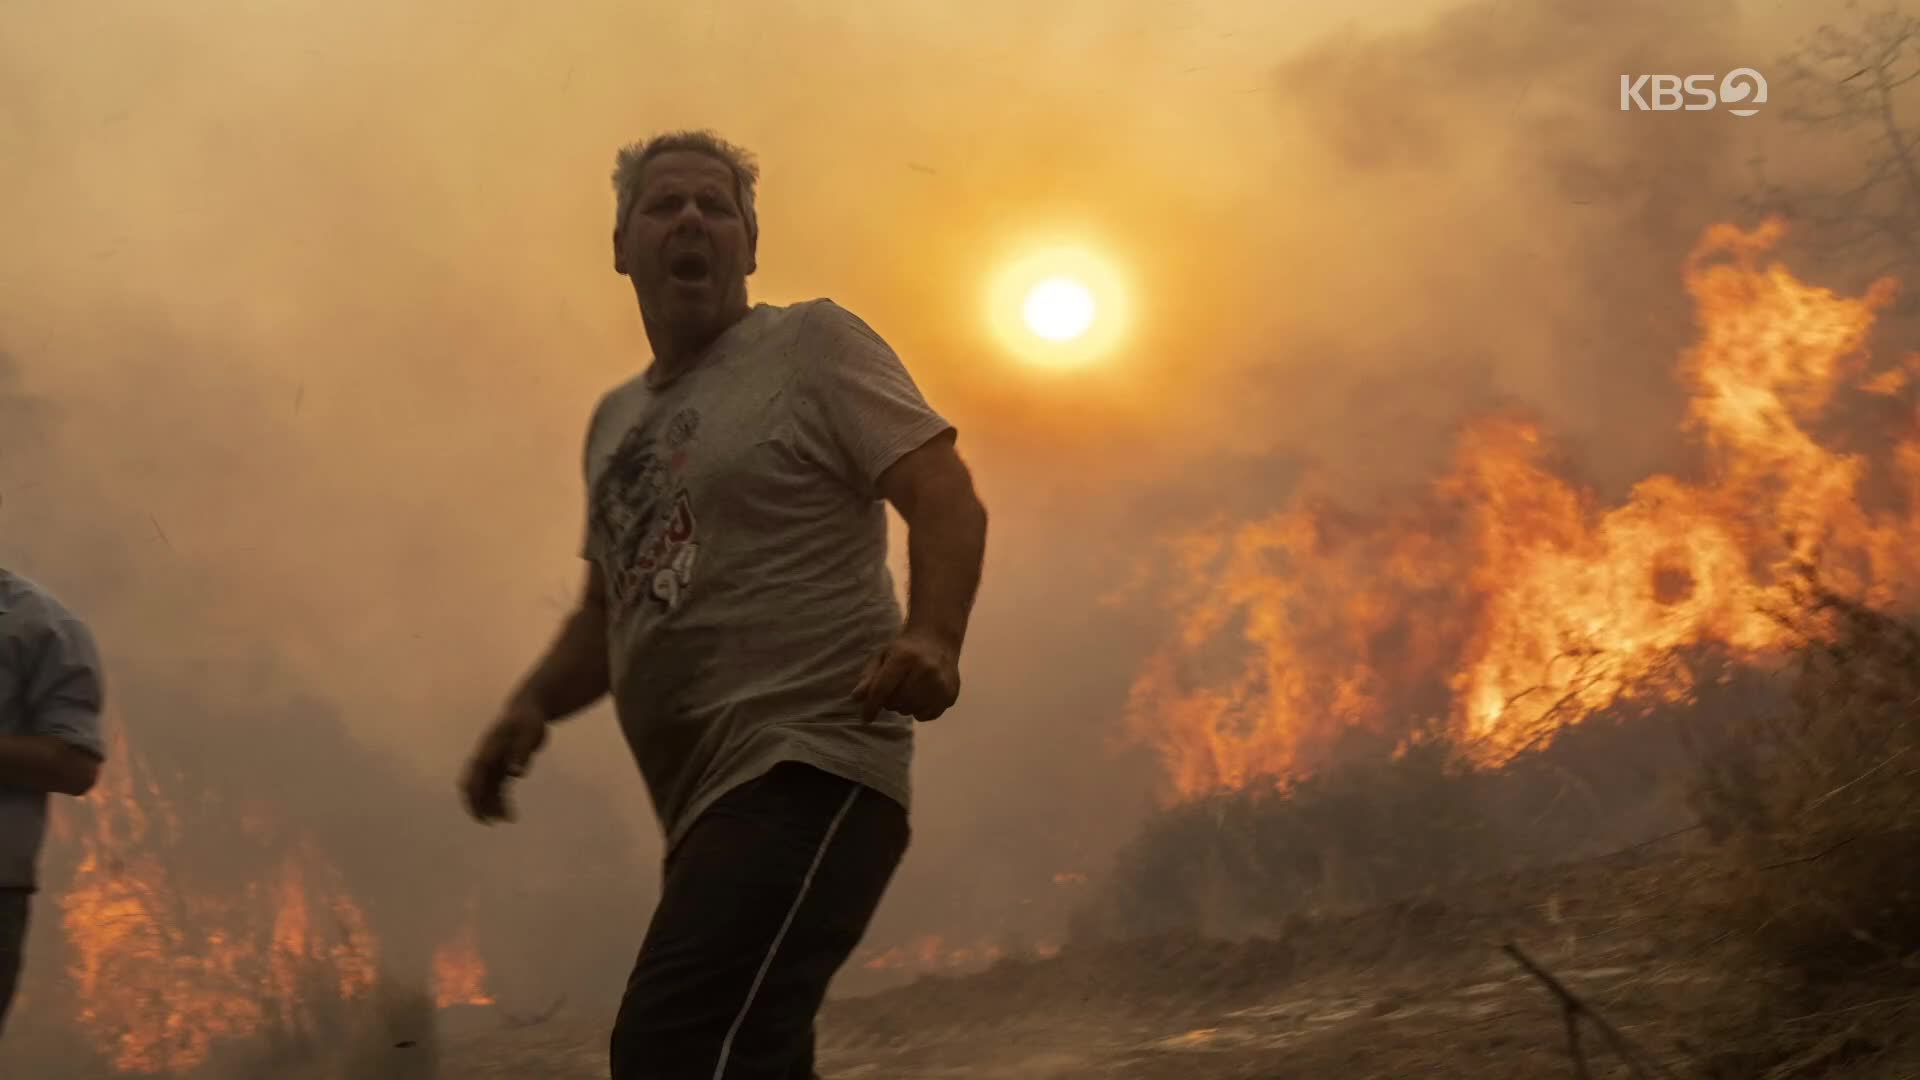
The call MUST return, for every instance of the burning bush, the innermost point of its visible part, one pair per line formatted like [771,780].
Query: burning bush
[221,911]
[1818,805]
[1505,600]
[205,940]
[1357,704]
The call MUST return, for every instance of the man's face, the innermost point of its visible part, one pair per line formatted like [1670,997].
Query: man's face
[684,243]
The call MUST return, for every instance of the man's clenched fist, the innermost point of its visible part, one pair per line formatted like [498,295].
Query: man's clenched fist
[918,675]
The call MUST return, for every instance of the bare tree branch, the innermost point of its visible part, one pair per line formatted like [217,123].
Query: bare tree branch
[1846,77]
[1642,1064]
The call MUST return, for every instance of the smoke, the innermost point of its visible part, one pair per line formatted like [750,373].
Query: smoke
[305,311]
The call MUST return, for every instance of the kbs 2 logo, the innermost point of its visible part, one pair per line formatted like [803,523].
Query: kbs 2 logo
[1742,87]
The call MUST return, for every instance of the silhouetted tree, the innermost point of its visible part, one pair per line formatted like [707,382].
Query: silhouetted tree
[1851,79]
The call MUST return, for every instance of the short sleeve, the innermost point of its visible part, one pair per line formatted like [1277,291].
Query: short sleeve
[65,691]
[859,409]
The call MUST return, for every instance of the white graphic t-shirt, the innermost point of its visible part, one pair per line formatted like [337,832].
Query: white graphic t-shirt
[734,514]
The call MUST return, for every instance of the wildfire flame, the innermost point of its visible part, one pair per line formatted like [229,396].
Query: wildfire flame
[1505,602]
[459,975]
[169,958]
[162,973]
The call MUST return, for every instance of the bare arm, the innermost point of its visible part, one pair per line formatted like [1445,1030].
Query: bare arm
[572,674]
[568,677]
[47,763]
[946,538]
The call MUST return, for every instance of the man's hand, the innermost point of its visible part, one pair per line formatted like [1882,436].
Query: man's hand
[504,754]
[918,675]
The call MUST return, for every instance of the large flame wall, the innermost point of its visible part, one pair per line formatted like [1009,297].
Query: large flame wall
[1505,600]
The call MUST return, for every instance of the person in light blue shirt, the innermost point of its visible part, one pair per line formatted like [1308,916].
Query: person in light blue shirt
[50,743]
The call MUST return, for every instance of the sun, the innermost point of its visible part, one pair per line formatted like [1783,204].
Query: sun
[1059,306]
[1059,309]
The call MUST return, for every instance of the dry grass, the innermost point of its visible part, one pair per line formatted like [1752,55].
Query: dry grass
[1346,838]
[1382,830]
[1817,806]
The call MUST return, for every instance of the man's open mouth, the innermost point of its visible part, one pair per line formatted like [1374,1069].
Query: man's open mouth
[690,267]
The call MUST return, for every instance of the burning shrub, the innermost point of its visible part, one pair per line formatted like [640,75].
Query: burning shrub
[221,911]
[1818,805]
[1534,631]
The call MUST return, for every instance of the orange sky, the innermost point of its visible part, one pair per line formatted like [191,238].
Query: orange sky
[308,310]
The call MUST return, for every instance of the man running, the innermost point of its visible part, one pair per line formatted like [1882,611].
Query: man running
[739,608]
[50,742]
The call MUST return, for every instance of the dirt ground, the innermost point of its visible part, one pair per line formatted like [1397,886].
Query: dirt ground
[1420,989]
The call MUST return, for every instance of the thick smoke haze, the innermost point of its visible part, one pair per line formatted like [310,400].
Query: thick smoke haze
[303,311]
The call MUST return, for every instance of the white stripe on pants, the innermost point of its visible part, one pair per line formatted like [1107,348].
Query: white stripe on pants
[820,853]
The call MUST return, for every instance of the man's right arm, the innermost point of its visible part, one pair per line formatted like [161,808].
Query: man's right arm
[569,676]
[573,673]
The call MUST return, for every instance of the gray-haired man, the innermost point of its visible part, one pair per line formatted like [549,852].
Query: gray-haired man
[739,608]
[50,742]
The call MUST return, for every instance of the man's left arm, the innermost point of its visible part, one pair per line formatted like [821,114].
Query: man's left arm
[863,414]
[946,546]
[946,537]
[63,748]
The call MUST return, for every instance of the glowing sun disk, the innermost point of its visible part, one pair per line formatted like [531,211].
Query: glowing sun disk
[1059,309]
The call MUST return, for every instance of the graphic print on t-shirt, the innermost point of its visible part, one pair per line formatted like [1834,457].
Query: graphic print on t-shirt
[645,517]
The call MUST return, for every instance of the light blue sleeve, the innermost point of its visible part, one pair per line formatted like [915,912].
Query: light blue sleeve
[64,688]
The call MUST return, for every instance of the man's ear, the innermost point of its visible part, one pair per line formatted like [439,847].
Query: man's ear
[619,259]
